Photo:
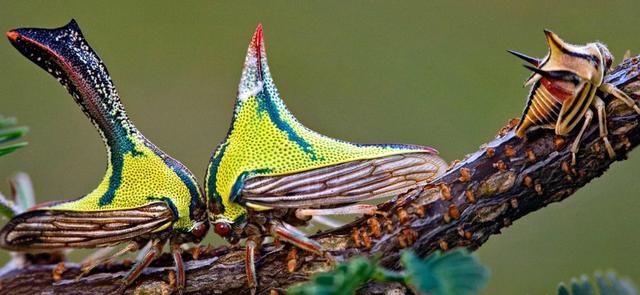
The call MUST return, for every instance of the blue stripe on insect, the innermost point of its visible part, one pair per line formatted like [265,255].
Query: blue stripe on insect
[117,163]
[237,186]
[182,172]
[267,104]
[213,175]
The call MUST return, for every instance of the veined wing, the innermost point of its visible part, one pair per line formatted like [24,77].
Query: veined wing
[344,183]
[56,229]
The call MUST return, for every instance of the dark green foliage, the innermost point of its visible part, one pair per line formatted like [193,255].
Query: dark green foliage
[20,184]
[456,272]
[343,280]
[7,209]
[8,133]
[611,285]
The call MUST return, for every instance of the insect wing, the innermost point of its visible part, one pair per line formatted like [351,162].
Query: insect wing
[56,229]
[344,183]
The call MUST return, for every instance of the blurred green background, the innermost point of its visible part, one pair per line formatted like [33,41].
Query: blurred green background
[367,71]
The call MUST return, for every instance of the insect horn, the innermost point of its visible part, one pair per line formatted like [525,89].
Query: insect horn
[555,75]
[556,45]
[532,60]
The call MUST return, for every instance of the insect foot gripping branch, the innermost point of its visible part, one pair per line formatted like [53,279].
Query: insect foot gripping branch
[269,163]
[145,197]
[564,90]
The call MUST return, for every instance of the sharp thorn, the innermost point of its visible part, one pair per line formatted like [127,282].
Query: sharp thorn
[532,60]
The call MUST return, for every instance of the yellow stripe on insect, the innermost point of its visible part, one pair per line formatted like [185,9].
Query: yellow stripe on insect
[567,79]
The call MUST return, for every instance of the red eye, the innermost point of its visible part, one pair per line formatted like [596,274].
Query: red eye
[223,229]
[200,230]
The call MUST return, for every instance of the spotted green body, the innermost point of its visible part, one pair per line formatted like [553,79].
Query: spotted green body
[265,139]
[139,177]
[138,174]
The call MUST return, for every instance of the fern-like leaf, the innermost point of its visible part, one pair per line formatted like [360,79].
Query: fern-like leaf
[8,132]
[611,285]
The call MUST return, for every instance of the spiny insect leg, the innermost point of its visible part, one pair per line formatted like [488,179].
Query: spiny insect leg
[139,266]
[351,209]
[602,125]
[288,233]
[176,252]
[619,94]
[576,143]
[90,264]
[251,246]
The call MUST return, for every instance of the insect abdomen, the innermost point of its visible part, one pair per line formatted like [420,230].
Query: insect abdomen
[542,110]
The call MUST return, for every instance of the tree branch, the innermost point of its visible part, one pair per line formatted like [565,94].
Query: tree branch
[503,181]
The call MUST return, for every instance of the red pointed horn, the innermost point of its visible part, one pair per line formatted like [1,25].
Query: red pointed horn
[13,36]
[257,44]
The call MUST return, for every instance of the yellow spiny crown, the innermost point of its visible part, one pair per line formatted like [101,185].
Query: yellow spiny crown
[266,139]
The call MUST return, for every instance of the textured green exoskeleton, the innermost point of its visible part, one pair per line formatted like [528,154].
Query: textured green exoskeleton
[270,163]
[145,195]
[565,86]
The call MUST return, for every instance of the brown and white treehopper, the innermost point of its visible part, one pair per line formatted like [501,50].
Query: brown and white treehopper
[565,85]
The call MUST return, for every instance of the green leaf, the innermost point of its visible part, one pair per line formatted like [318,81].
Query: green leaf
[345,279]
[11,148]
[611,285]
[7,208]
[454,273]
[24,197]
[6,122]
[581,287]
[8,133]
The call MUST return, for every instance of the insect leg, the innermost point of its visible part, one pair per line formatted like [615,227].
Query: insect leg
[176,252]
[576,143]
[619,94]
[350,209]
[290,234]
[330,222]
[251,247]
[602,125]
[139,266]
[92,263]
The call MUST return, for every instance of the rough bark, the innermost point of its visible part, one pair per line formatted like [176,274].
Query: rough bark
[504,180]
